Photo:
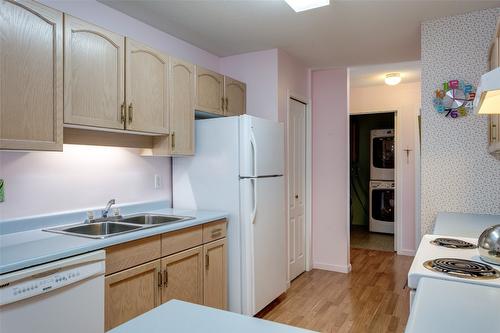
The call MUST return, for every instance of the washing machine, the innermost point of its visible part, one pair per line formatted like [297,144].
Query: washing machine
[382,154]
[382,206]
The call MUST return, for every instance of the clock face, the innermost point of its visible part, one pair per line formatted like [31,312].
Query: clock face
[454,99]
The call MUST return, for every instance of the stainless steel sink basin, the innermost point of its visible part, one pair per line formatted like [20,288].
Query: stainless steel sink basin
[153,219]
[95,230]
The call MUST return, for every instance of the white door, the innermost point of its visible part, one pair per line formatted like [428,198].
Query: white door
[263,242]
[296,187]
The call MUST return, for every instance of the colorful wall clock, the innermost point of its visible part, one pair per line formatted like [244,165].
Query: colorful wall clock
[454,99]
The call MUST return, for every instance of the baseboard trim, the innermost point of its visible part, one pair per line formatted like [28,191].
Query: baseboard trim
[410,253]
[332,268]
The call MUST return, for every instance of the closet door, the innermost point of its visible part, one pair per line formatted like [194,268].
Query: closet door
[146,88]
[31,95]
[93,75]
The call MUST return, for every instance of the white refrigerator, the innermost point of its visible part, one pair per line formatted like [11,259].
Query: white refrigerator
[238,168]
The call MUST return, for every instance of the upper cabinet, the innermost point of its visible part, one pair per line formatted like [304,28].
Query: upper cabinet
[93,75]
[147,102]
[235,97]
[181,107]
[31,94]
[209,91]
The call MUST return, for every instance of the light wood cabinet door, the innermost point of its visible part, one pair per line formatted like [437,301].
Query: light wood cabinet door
[131,292]
[209,91]
[183,276]
[181,107]
[215,274]
[31,94]
[93,75]
[235,100]
[146,84]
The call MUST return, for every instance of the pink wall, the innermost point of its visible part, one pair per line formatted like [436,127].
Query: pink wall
[259,70]
[330,165]
[404,98]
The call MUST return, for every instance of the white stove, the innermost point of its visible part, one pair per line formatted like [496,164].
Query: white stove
[429,250]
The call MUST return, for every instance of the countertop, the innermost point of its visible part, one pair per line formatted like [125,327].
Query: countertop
[447,306]
[181,317]
[23,249]
[463,225]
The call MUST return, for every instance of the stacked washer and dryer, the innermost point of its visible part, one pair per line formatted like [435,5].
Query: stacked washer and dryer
[382,185]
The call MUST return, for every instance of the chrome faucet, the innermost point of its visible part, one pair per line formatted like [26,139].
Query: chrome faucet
[105,211]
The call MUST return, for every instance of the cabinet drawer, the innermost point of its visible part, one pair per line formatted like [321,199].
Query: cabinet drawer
[126,255]
[214,230]
[180,240]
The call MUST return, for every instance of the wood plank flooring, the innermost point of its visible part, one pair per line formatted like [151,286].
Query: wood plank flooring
[372,298]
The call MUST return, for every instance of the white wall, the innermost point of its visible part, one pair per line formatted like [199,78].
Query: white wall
[457,172]
[78,178]
[405,99]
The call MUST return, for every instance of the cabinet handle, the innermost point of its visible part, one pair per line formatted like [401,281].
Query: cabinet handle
[222,102]
[159,279]
[227,104]
[130,112]
[166,277]
[493,132]
[207,261]
[173,140]
[122,113]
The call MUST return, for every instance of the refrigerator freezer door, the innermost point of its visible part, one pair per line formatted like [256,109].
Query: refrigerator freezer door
[263,242]
[261,147]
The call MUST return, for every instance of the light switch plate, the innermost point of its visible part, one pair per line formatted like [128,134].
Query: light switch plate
[157,182]
[2,193]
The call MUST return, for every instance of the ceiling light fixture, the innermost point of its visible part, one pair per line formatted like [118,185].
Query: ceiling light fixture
[392,79]
[302,5]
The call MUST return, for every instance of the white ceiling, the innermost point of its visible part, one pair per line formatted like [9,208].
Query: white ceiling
[373,75]
[346,33]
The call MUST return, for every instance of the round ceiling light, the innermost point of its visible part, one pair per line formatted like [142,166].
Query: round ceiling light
[392,79]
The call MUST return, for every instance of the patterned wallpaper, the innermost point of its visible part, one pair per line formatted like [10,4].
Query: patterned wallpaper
[458,175]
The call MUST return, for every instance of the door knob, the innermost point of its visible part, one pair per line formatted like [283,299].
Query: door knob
[296,196]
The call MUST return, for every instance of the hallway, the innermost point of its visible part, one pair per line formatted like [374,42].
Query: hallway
[372,298]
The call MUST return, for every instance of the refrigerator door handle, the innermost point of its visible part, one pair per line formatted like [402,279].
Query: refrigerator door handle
[253,143]
[254,209]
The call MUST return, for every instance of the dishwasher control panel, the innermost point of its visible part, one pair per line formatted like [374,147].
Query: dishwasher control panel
[47,281]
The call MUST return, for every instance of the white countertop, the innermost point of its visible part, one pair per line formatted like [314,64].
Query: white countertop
[447,306]
[182,317]
[23,249]
[463,225]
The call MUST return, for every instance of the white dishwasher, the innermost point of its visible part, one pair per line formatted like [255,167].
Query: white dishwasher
[61,296]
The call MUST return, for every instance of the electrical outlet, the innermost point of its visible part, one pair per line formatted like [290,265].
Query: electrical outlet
[2,193]
[157,182]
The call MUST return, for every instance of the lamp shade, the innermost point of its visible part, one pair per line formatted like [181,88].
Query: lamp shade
[487,100]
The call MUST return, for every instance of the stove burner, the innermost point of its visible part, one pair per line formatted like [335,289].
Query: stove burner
[453,243]
[462,268]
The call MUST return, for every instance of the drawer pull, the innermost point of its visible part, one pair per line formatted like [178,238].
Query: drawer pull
[216,234]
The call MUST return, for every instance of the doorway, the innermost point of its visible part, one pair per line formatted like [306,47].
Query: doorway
[297,192]
[373,181]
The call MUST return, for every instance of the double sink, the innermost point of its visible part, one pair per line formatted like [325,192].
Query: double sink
[114,226]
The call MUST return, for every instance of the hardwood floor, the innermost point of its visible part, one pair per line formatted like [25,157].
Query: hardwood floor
[372,298]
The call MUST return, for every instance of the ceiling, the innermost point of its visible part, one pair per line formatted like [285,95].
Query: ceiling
[373,75]
[346,33]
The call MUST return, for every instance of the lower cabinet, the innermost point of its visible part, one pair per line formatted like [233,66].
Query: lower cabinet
[192,269]
[183,276]
[131,292]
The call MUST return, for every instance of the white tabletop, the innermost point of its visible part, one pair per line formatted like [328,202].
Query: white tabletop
[448,306]
[181,317]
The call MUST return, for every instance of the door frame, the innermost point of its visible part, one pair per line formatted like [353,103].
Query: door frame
[308,181]
[397,177]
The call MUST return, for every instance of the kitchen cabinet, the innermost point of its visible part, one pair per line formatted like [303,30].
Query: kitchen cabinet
[215,276]
[146,84]
[31,75]
[94,82]
[182,107]
[183,276]
[235,97]
[131,292]
[494,119]
[187,264]
[209,91]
